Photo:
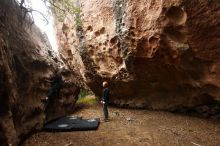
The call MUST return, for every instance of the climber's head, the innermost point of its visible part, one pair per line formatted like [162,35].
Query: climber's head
[105,84]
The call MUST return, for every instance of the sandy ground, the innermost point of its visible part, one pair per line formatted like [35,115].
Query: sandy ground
[129,127]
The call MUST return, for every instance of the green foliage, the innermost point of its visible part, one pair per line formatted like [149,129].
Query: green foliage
[63,7]
[86,97]
[78,22]
[83,93]
[60,8]
[87,100]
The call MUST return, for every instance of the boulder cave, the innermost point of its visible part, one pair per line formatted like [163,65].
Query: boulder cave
[155,54]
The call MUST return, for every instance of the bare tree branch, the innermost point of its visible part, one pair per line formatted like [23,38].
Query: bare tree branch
[22,2]
[53,4]
[32,10]
[61,8]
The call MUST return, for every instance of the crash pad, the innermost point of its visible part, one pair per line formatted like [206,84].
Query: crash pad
[71,123]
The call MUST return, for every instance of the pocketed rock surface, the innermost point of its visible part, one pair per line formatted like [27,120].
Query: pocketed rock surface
[156,54]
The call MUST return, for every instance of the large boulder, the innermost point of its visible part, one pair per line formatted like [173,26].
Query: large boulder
[159,54]
[26,63]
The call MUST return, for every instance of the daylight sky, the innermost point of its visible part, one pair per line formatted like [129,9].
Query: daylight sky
[41,23]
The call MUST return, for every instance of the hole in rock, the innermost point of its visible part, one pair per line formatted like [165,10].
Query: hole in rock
[114,40]
[119,60]
[118,44]
[69,52]
[50,53]
[102,30]
[97,33]
[89,28]
[127,38]
[131,28]
[132,33]
[175,34]
[91,52]
[90,46]
[65,27]
[110,50]
[105,43]
[153,41]
[133,40]
[176,15]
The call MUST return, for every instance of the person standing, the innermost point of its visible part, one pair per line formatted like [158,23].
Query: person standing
[105,100]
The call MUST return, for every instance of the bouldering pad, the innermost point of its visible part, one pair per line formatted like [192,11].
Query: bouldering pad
[71,123]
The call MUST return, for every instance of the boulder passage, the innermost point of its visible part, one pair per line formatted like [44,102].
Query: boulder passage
[156,55]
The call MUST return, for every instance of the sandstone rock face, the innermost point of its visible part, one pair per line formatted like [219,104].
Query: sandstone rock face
[26,60]
[69,48]
[157,54]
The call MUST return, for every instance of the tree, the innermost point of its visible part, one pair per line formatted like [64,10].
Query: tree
[60,8]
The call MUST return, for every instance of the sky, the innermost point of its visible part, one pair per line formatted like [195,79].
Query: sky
[42,24]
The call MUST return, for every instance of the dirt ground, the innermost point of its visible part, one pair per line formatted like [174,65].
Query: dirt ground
[128,127]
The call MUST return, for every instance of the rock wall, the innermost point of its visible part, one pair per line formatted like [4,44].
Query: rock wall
[26,62]
[156,54]
[69,47]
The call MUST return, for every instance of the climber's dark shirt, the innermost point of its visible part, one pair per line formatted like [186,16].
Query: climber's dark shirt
[105,95]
